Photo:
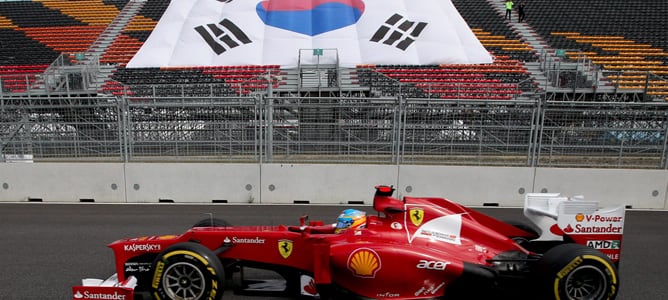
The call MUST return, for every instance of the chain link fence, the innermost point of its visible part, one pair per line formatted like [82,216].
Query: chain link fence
[336,130]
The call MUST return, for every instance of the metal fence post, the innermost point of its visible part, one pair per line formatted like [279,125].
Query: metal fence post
[124,126]
[400,121]
[664,151]
[270,130]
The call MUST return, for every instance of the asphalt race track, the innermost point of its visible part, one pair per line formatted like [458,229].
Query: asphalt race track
[48,248]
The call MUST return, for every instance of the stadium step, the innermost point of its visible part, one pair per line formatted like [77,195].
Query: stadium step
[113,30]
[529,36]
[106,40]
[537,75]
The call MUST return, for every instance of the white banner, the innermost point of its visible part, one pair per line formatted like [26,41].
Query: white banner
[272,32]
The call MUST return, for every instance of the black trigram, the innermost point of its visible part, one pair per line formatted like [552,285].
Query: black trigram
[396,28]
[219,39]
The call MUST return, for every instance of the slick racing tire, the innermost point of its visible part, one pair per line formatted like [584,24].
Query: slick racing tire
[577,272]
[187,271]
[212,222]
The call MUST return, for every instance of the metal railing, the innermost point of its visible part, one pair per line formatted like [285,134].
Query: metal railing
[337,130]
[568,69]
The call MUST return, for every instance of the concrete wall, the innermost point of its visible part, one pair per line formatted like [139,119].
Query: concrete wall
[192,182]
[638,188]
[338,184]
[103,182]
[466,184]
[319,183]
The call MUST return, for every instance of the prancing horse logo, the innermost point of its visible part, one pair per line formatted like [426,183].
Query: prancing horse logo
[285,248]
[417,215]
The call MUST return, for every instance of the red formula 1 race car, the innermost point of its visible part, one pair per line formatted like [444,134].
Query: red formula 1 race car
[414,248]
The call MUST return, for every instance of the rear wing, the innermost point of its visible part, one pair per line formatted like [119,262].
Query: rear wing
[576,219]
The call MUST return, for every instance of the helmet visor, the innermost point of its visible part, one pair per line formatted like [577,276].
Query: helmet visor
[344,222]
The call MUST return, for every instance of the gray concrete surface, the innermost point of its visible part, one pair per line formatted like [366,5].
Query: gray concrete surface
[48,248]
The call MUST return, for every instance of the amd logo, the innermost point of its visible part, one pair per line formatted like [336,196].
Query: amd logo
[432,265]
[604,244]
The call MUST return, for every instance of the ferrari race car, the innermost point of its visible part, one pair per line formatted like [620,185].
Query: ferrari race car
[413,248]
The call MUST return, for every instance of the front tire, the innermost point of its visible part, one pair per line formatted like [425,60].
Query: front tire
[577,272]
[187,271]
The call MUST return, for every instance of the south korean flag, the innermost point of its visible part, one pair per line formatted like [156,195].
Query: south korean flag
[218,39]
[276,32]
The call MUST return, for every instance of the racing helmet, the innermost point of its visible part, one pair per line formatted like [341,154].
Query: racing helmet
[350,219]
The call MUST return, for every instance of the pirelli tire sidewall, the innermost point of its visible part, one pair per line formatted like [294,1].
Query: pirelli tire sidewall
[192,257]
[566,260]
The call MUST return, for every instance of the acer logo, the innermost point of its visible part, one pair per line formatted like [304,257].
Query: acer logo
[432,265]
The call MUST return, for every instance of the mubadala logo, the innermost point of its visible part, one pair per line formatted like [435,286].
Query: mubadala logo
[142,247]
[100,296]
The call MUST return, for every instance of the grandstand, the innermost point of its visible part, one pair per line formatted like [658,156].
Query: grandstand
[577,79]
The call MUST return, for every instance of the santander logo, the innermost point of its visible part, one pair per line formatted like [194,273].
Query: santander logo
[98,296]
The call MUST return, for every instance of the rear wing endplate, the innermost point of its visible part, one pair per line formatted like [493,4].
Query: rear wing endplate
[576,219]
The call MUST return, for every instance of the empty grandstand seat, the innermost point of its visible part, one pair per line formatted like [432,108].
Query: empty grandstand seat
[491,30]
[627,43]
[224,80]
[499,80]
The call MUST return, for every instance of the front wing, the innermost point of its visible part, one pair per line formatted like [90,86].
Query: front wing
[109,289]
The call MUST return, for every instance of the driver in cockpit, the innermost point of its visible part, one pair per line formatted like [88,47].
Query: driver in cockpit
[348,219]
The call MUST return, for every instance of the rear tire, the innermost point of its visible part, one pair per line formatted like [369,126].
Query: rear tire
[577,272]
[187,271]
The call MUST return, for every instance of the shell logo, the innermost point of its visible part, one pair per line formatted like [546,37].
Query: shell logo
[579,217]
[364,262]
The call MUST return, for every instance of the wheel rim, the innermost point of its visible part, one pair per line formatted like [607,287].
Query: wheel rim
[586,283]
[184,281]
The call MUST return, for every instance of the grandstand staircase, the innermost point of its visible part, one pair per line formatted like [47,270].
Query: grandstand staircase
[58,77]
[107,38]
[320,80]
[113,30]
[547,55]
[529,36]
[319,73]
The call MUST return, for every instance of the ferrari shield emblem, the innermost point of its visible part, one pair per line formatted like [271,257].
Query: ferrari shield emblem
[417,215]
[285,248]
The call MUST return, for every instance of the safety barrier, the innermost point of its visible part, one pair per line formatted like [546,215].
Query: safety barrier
[344,184]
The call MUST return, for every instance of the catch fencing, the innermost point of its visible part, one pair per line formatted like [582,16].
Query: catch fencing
[262,129]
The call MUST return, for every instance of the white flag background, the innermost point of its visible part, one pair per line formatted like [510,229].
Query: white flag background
[212,32]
